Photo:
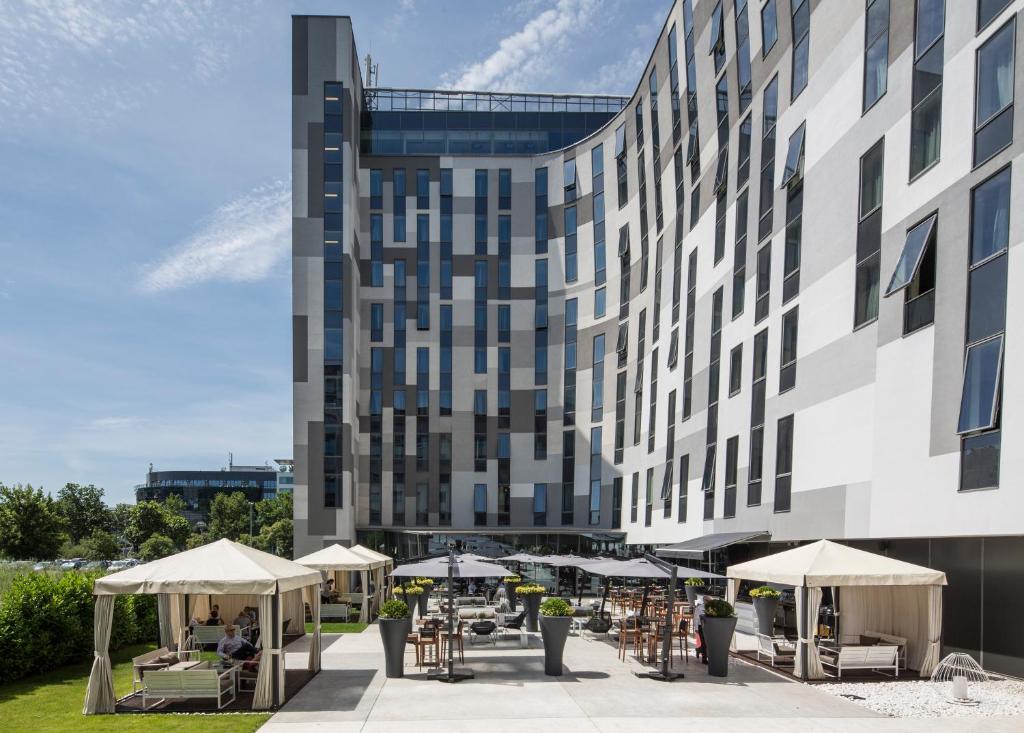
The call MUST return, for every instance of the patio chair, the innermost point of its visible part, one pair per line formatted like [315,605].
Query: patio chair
[516,622]
[777,649]
[483,629]
[158,659]
[456,639]
[428,637]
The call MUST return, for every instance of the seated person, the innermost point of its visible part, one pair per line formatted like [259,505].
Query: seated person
[214,619]
[329,595]
[242,620]
[234,648]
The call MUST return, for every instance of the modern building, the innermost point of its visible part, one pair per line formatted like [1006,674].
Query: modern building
[198,488]
[764,300]
[285,475]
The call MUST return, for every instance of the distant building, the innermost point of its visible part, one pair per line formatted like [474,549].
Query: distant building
[285,475]
[198,488]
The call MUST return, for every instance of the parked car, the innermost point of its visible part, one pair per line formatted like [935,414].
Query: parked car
[73,564]
[130,562]
[96,565]
[44,565]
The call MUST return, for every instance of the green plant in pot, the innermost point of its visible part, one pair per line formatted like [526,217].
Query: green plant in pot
[425,585]
[693,588]
[555,619]
[530,594]
[395,626]
[766,602]
[719,625]
[511,582]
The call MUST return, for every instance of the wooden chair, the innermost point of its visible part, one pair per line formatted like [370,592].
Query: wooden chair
[457,639]
[427,638]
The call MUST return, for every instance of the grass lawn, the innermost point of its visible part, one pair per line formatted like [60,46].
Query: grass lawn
[337,628]
[53,703]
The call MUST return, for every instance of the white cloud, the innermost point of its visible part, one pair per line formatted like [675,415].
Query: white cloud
[619,77]
[526,57]
[243,240]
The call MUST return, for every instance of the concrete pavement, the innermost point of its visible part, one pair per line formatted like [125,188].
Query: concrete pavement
[598,694]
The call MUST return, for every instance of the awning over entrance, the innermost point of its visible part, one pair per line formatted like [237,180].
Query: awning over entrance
[694,549]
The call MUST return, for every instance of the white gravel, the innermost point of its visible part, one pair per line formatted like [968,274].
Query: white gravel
[926,699]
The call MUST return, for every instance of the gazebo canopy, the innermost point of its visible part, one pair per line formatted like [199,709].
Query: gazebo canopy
[378,559]
[824,563]
[337,557]
[219,568]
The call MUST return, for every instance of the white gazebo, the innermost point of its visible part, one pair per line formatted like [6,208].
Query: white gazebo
[338,560]
[382,566]
[877,593]
[225,572]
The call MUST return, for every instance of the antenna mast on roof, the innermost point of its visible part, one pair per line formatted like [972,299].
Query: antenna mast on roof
[372,72]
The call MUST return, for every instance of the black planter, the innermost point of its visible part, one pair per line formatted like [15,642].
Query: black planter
[765,608]
[554,630]
[718,635]
[393,633]
[692,591]
[531,602]
[422,600]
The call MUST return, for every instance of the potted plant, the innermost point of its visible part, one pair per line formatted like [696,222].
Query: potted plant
[693,586]
[411,593]
[510,590]
[530,594]
[395,627]
[555,618]
[766,600]
[719,625]
[426,585]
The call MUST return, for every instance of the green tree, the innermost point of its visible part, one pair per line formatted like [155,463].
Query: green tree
[155,547]
[120,518]
[196,540]
[148,518]
[30,526]
[229,516]
[82,510]
[269,511]
[277,538]
[176,504]
[100,545]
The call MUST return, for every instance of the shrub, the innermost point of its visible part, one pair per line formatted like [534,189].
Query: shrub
[556,607]
[695,582]
[512,579]
[717,608]
[424,581]
[529,589]
[46,622]
[393,609]
[410,590]
[764,591]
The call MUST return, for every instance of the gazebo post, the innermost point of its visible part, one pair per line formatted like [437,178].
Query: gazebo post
[804,640]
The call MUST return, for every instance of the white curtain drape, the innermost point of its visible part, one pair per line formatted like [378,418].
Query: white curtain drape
[263,697]
[293,611]
[931,655]
[312,596]
[900,610]
[732,587]
[814,669]
[99,694]
[163,615]
[801,631]
[364,576]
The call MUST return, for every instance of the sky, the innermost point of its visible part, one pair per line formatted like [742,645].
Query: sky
[145,285]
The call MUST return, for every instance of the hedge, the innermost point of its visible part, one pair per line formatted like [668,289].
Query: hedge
[46,622]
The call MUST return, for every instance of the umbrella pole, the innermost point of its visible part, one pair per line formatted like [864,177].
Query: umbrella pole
[663,674]
[604,596]
[451,674]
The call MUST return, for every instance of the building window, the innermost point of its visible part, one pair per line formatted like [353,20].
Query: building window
[732,449]
[540,505]
[569,178]
[638,385]
[649,498]
[540,322]
[801,45]
[869,235]
[915,273]
[717,37]
[504,387]
[480,505]
[597,394]
[739,256]
[784,464]
[684,489]
[540,424]
[480,317]
[620,416]
[571,274]
[742,55]
[376,250]
[735,370]
[787,367]
[691,307]
[480,430]
[376,188]
[423,272]
[757,404]
[504,257]
[594,502]
[652,414]
[794,237]
[677,271]
[447,192]
[376,321]
[876,52]
[673,73]
[624,272]
[569,397]
[794,170]
[504,189]
[620,164]
[422,188]
[600,303]
[743,161]
[540,205]
[444,397]
[993,100]
[769,115]
[721,207]
[622,344]
[673,349]
[769,28]
[398,203]
[763,282]
[617,502]
[422,505]
[979,421]
[568,475]
[926,98]
[634,499]
[989,10]
[480,211]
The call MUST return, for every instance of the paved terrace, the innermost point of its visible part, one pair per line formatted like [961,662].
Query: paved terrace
[598,694]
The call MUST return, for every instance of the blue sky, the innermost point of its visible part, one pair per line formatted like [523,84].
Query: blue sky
[145,211]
